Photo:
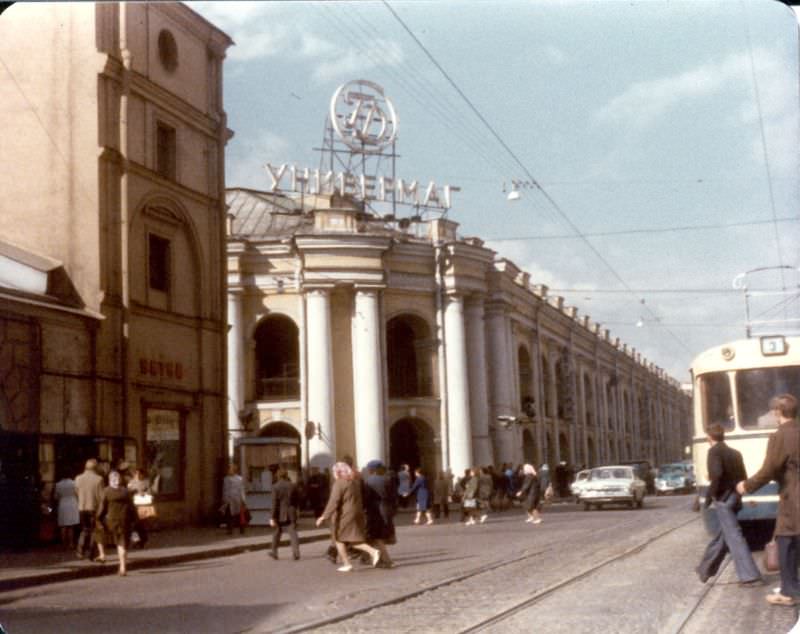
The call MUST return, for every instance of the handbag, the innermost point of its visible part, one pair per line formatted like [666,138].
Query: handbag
[146,511]
[771,562]
[244,515]
[470,503]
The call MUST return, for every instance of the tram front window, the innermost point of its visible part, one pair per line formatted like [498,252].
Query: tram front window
[756,387]
[715,392]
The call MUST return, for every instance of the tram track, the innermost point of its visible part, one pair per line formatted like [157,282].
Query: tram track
[445,594]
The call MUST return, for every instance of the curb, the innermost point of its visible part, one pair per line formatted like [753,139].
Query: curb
[154,561]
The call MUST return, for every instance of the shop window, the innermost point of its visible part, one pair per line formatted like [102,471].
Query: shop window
[158,263]
[166,150]
[164,447]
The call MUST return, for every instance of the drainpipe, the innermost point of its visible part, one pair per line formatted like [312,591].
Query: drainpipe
[124,211]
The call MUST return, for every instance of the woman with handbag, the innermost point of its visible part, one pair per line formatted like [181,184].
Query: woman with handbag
[116,515]
[530,494]
[470,499]
[139,486]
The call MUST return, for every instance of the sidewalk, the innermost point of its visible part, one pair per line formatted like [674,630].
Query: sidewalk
[50,564]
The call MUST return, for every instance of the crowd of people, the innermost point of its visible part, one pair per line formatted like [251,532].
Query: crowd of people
[100,508]
[361,505]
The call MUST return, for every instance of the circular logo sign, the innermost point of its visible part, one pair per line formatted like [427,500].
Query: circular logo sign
[363,117]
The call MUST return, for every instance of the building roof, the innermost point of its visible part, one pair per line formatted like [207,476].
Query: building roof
[256,214]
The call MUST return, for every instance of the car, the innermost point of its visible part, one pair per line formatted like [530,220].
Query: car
[616,484]
[581,478]
[645,471]
[675,477]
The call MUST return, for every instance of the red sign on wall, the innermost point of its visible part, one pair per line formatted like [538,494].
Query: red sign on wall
[161,369]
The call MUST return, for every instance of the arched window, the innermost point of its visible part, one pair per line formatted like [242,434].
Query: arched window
[277,359]
[410,357]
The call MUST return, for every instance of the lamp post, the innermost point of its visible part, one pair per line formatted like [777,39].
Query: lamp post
[516,186]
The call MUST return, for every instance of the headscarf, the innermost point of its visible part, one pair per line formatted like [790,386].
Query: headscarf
[114,480]
[528,470]
[342,470]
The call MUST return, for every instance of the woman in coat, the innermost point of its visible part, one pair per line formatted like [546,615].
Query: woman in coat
[116,514]
[485,491]
[380,507]
[346,514]
[66,496]
[470,498]
[420,487]
[530,492]
[233,496]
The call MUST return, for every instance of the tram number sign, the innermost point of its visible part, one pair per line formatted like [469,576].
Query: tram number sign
[773,345]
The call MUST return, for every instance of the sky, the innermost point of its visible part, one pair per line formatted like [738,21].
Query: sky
[658,139]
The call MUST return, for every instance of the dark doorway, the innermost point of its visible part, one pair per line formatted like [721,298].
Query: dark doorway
[411,442]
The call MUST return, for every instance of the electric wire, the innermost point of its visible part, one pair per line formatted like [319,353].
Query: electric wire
[524,169]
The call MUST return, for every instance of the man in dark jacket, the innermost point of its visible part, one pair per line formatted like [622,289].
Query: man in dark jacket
[725,469]
[782,463]
[285,500]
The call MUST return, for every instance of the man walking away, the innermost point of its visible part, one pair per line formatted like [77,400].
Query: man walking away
[285,500]
[89,485]
[782,463]
[725,469]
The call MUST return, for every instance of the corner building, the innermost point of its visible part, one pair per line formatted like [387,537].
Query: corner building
[353,336]
[112,246]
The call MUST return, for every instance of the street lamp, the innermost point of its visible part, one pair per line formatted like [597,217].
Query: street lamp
[516,185]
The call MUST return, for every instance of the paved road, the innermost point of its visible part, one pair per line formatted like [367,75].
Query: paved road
[251,593]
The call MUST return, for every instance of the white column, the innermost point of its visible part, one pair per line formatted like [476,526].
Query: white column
[459,429]
[478,392]
[368,378]
[236,365]
[322,447]
[501,382]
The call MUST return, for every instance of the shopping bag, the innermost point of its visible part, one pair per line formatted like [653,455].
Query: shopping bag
[771,556]
[244,515]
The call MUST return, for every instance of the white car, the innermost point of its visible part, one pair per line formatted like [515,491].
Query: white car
[581,479]
[613,485]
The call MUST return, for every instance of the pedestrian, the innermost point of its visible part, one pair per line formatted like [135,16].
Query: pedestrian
[66,497]
[139,486]
[316,488]
[116,515]
[470,497]
[89,485]
[782,464]
[233,498]
[485,492]
[403,484]
[380,507]
[725,469]
[285,509]
[345,512]
[420,488]
[442,492]
[530,492]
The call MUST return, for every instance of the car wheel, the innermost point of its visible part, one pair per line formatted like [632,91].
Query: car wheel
[587,506]
[640,503]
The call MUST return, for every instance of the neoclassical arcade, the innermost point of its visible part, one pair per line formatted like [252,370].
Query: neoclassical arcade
[412,344]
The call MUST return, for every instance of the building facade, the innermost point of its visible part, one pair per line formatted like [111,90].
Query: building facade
[112,240]
[408,343]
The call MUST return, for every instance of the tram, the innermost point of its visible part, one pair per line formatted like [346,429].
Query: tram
[732,385]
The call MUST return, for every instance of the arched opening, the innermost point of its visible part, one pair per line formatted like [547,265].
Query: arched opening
[411,442]
[410,357]
[552,458]
[547,387]
[528,447]
[526,399]
[563,448]
[591,460]
[277,370]
[588,400]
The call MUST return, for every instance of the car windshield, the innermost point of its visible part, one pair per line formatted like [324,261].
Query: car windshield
[609,474]
[666,472]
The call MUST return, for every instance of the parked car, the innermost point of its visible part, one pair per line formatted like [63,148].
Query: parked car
[617,484]
[676,477]
[581,479]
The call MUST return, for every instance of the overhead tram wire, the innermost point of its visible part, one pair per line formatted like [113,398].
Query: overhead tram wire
[474,144]
[525,170]
[622,232]
[440,99]
[763,138]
